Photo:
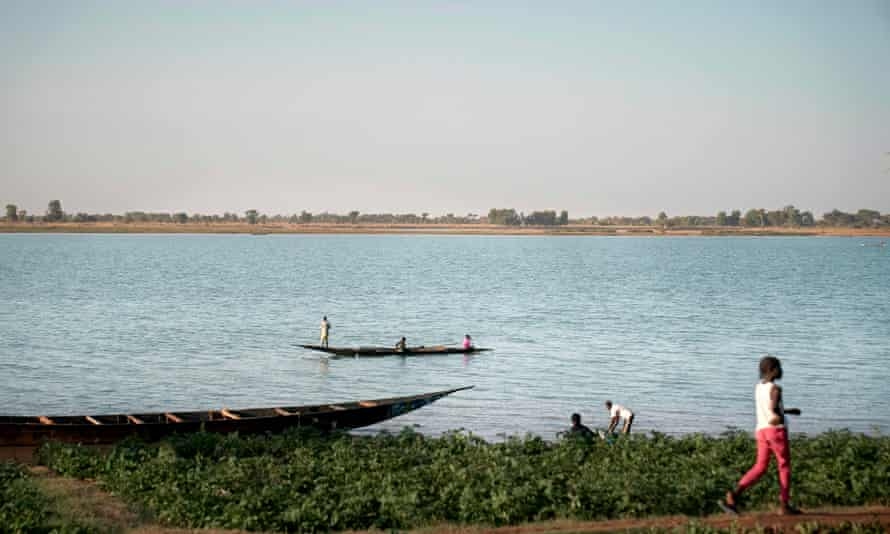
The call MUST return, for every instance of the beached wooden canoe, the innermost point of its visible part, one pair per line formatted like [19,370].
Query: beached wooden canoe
[350,352]
[24,432]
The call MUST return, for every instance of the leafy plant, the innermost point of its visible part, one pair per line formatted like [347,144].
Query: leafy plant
[305,481]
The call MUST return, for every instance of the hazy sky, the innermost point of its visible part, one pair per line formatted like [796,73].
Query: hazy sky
[600,108]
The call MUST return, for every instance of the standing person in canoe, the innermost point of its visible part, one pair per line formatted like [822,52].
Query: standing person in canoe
[325,329]
[616,412]
[468,342]
[772,438]
[402,345]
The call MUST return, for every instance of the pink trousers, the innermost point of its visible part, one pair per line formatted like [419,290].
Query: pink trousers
[775,441]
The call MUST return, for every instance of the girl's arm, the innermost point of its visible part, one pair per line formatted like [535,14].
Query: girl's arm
[775,397]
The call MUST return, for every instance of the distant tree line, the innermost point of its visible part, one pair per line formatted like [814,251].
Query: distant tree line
[54,213]
[789,216]
[510,217]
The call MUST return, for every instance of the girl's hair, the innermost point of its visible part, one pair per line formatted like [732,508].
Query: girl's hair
[770,367]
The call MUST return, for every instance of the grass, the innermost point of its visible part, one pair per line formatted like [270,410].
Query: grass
[26,508]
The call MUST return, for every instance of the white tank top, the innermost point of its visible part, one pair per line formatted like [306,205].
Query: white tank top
[762,399]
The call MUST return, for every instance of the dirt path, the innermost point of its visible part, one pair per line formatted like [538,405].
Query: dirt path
[867,515]
[85,503]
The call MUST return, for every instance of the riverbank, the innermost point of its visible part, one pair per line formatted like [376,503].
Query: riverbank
[303,481]
[430,229]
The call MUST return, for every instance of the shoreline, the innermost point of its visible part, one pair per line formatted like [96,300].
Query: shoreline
[432,229]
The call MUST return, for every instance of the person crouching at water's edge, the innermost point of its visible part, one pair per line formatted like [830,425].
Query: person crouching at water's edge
[402,345]
[325,328]
[616,412]
[578,430]
[772,437]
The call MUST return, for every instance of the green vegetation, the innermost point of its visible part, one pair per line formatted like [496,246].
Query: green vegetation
[24,508]
[54,211]
[507,217]
[303,481]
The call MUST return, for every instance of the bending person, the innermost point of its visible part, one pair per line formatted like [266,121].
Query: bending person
[616,412]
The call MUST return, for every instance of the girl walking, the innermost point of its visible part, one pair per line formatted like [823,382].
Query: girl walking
[772,438]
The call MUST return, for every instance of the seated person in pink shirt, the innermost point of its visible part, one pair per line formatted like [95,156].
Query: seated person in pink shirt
[468,343]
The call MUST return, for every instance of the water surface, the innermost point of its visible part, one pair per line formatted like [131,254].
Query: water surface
[672,327]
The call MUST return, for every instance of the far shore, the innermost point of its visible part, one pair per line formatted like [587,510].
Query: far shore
[431,229]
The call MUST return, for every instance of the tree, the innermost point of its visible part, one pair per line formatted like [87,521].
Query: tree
[54,211]
[722,220]
[12,213]
[774,218]
[791,216]
[564,217]
[541,218]
[305,217]
[753,217]
[806,219]
[507,217]
[734,218]
[867,217]
[180,218]
[661,219]
[251,216]
[23,214]
[353,216]
[838,218]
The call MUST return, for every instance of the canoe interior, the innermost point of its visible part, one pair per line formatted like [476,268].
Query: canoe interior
[219,415]
[191,416]
[390,351]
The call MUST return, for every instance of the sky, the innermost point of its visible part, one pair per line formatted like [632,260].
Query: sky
[599,108]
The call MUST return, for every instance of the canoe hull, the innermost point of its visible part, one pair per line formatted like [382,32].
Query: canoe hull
[377,352]
[21,432]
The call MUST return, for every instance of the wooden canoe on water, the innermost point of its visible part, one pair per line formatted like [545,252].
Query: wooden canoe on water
[365,352]
[26,432]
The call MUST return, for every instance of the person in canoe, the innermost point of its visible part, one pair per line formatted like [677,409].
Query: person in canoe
[402,345]
[616,412]
[772,439]
[325,329]
[468,342]
[578,430]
